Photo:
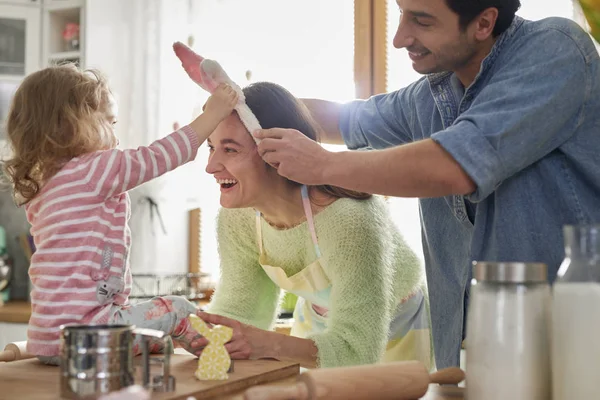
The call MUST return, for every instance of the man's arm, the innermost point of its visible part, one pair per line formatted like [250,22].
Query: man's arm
[518,118]
[419,169]
[327,115]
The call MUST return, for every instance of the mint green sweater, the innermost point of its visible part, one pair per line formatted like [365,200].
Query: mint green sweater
[364,255]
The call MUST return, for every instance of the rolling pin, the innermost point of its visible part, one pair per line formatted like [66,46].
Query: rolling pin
[14,352]
[401,380]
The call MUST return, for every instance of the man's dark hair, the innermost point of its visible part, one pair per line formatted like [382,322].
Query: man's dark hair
[468,10]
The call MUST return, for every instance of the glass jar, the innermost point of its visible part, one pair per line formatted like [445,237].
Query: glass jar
[576,316]
[507,341]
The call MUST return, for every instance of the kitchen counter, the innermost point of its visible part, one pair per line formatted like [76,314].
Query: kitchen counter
[16,380]
[30,379]
[15,312]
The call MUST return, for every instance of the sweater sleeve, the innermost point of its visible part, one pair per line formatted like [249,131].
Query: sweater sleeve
[244,291]
[116,171]
[358,253]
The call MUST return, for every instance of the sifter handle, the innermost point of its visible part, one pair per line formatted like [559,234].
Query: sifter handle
[160,383]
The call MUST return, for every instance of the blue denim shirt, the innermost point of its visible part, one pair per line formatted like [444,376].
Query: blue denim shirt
[527,131]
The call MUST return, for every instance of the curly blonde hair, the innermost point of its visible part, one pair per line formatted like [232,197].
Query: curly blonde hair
[57,113]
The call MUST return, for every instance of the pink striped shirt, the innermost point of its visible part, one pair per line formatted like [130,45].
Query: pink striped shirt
[80,270]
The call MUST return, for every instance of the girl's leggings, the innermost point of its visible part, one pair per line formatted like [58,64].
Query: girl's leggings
[168,314]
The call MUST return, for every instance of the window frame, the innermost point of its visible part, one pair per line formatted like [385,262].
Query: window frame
[370,47]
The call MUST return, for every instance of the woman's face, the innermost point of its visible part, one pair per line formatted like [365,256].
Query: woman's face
[237,167]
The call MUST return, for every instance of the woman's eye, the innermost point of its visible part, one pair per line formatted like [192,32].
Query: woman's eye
[230,150]
[416,21]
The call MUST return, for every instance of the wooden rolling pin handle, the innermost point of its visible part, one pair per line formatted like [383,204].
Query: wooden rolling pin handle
[391,381]
[298,391]
[15,351]
[448,376]
[7,355]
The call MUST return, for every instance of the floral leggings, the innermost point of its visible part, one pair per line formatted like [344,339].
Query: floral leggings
[168,314]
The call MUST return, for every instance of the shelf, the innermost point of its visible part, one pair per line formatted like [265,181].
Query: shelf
[62,4]
[56,20]
[65,55]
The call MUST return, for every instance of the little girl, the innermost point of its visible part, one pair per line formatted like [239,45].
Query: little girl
[73,182]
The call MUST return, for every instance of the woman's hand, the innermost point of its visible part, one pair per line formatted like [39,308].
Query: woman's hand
[247,342]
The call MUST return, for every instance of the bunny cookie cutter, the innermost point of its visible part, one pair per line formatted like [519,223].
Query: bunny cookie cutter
[214,362]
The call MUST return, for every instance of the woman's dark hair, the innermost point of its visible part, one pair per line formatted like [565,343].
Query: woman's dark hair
[275,107]
[468,10]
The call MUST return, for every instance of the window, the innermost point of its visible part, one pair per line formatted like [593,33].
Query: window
[399,72]
[538,9]
[306,46]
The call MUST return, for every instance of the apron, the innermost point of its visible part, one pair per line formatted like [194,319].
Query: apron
[409,335]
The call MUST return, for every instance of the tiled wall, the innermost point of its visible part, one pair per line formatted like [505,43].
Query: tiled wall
[14,221]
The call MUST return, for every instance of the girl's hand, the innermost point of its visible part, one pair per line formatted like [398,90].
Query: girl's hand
[247,342]
[221,103]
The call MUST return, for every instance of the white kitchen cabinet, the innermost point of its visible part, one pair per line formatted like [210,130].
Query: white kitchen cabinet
[19,41]
[11,332]
[57,15]
[19,53]
[35,3]
[63,3]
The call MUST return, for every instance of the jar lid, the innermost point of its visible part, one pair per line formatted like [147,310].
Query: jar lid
[510,272]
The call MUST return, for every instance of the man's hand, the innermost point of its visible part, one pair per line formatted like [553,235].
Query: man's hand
[294,155]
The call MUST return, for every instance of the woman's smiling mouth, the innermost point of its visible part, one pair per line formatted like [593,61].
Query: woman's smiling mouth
[227,183]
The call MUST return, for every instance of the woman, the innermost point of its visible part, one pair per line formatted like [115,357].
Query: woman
[361,292]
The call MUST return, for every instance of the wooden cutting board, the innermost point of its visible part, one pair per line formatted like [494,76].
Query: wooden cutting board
[30,379]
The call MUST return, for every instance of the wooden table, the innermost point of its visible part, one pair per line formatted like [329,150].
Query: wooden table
[29,379]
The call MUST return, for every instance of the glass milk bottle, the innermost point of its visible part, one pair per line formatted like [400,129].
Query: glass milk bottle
[576,316]
[507,343]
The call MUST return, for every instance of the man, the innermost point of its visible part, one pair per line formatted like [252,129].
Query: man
[500,141]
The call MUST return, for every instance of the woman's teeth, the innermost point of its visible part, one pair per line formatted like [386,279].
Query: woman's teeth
[226,183]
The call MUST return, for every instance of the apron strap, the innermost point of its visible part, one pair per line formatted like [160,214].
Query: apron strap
[259,232]
[309,219]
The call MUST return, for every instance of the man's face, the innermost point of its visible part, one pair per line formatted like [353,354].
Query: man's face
[429,30]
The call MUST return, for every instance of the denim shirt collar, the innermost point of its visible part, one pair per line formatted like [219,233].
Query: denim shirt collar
[436,78]
[451,100]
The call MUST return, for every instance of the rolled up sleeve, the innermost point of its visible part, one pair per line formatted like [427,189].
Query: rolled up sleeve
[522,114]
[380,122]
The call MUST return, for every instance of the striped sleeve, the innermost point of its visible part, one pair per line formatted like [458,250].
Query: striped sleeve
[118,171]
